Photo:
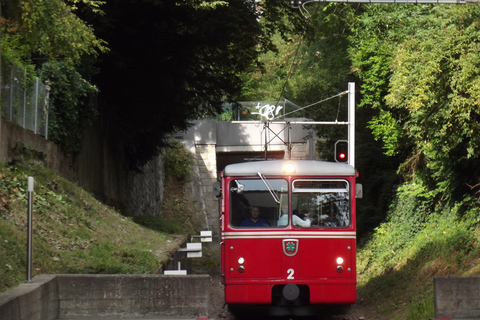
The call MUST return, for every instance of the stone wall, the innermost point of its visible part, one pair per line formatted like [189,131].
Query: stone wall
[143,190]
[98,169]
[54,158]
[207,171]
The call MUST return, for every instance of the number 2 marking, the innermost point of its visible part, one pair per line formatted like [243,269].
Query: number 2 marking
[290,273]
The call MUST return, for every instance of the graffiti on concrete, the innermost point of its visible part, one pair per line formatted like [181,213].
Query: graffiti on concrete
[267,111]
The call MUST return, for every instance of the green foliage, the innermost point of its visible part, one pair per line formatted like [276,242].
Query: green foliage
[179,209]
[435,81]
[72,105]
[264,80]
[418,70]
[14,51]
[374,35]
[422,307]
[323,72]
[178,162]
[49,29]
[93,5]
[105,257]
[387,129]
[12,266]
[161,224]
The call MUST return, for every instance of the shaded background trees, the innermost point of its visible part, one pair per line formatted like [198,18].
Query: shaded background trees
[172,62]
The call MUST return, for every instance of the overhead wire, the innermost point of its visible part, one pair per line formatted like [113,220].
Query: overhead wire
[296,54]
[318,102]
[292,65]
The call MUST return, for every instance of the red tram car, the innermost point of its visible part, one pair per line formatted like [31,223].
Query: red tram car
[288,234]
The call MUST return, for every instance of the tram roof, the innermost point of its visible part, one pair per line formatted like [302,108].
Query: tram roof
[303,167]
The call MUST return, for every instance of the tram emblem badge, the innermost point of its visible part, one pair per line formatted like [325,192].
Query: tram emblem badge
[290,247]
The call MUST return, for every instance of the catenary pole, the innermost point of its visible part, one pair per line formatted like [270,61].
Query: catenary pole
[351,123]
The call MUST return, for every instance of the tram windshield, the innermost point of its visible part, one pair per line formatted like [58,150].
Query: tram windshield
[325,203]
[254,203]
[316,203]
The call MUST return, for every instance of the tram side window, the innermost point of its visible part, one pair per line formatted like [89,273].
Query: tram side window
[252,204]
[325,202]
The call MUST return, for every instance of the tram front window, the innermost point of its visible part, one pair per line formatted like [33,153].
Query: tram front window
[325,203]
[253,204]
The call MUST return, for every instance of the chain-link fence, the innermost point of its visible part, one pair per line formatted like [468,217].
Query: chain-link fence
[24,99]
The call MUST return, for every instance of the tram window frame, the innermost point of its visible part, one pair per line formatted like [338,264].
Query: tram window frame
[239,210]
[333,211]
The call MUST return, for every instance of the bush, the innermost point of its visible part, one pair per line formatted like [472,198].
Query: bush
[178,162]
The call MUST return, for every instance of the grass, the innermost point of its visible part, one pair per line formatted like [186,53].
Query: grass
[75,233]
[397,264]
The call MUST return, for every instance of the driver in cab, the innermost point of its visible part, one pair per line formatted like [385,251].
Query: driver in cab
[254,220]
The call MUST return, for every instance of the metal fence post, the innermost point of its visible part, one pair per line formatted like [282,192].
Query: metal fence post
[30,228]
[36,105]
[47,106]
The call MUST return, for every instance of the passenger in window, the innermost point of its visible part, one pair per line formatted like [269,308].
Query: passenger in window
[301,221]
[254,220]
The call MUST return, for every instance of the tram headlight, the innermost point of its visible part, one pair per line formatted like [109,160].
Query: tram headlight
[289,168]
[241,260]
[339,260]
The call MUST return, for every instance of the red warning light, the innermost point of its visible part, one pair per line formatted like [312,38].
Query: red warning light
[341,151]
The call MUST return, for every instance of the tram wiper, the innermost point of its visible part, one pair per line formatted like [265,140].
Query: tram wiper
[269,187]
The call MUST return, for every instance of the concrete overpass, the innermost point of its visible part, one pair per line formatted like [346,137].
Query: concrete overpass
[230,142]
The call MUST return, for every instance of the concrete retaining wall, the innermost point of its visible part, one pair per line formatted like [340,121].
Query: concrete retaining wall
[457,297]
[50,297]
[36,300]
[98,168]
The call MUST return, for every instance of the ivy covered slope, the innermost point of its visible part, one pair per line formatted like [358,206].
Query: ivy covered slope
[72,231]
[420,239]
